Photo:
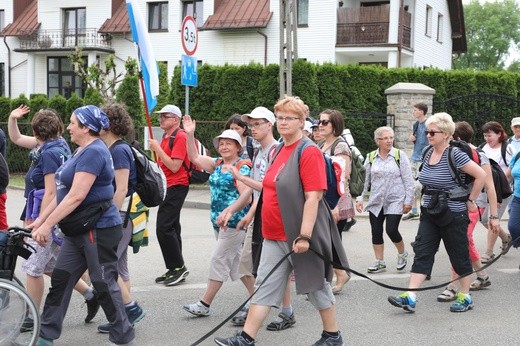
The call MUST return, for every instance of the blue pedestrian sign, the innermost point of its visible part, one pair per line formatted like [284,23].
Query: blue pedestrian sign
[189,70]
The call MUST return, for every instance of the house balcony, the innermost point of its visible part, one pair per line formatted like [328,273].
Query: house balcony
[369,26]
[60,40]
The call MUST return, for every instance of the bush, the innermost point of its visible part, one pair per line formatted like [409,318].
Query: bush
[20,100]
[73,102]
[128,94]
[38,102]
[93,97]
[5,108]
[59,104]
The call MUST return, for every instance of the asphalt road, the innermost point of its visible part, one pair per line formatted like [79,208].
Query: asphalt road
[365,317]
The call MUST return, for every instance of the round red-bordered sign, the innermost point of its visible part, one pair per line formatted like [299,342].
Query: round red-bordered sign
[189,35]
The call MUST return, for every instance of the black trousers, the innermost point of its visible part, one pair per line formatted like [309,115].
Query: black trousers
[169,226]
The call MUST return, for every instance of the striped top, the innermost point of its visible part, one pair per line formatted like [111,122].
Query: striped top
[437,176]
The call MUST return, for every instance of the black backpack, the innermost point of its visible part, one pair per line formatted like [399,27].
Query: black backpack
[151,181]
[502,186]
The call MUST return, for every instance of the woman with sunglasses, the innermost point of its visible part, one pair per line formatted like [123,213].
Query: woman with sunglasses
[331,127]
[444,214]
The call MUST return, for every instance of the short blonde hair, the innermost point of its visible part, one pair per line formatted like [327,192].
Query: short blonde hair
[443,121]
[293,105]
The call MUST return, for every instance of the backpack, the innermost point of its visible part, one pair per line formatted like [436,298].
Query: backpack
[250,148]
[237,165]
[396,156]
[151,181]
[335,170]
[503,149]
[502,186]
[196,174]
[356,182]
[465,184]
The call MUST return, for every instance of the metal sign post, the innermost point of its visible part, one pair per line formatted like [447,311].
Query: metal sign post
[190,40]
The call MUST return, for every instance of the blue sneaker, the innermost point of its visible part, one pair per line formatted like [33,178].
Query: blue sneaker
[403,301]
[134,313]
[44,342]
[462,304]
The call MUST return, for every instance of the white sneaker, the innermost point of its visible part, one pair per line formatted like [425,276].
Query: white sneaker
[402,260]
[377,267]
[197,309]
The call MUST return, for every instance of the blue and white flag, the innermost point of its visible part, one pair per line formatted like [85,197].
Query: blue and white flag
[148,64]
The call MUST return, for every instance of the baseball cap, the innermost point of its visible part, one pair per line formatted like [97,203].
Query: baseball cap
[260,113]
[229,134]
[308,126]
[171,109]
[515,121]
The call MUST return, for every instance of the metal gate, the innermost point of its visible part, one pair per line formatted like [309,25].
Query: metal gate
[478,109]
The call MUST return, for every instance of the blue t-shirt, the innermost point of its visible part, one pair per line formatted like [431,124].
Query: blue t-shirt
[95,159]
[224,193]
[421,141]
[438,176]
[124,159]
[46,159]
[515,172]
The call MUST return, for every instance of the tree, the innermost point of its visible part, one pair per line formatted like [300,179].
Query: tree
[491,29]
[103,79]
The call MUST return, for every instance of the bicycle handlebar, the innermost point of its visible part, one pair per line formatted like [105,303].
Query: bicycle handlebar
[19,231]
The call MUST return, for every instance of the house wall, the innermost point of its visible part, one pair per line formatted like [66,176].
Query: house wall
[428,51]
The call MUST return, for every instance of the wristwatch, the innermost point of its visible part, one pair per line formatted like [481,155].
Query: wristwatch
[493,217]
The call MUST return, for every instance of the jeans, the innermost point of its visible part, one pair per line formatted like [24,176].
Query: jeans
[514,221]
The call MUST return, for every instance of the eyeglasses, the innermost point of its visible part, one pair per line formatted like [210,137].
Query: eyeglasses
[162,116]
[282,119]
[324,122]
[258,124]
[385,139]
[431,133]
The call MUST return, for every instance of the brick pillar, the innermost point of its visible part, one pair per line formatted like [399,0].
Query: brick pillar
[401,98]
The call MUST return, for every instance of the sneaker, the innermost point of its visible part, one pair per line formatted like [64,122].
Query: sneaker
[462,304]
[160,279]
[329,340]
[479,283]
[402,260]
[134,313]
[349,224]
[44,342]
[240,318]
[197,309]
[237,340]
[403,301]
[176,276]
[92,308]
[506,245]
[411,215]
[27,325]
[378,267]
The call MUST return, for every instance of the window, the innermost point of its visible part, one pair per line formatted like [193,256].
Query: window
[61,78]
[303,12]
[74,25]
[440,25]
[187,10]
[2,19]
[158,16]
[429,17]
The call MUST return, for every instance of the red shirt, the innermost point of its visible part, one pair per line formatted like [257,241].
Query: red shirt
[312,176]
[178,151]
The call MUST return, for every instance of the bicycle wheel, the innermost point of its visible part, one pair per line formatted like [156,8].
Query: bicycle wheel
[15,306]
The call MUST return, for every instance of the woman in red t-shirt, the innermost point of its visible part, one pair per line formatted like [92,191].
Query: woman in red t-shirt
[293,216]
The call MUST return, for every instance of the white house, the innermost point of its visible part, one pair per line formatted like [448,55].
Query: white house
[38,35]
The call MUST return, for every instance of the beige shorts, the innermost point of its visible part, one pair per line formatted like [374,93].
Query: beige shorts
[43,260]
[245,266]
[226,255]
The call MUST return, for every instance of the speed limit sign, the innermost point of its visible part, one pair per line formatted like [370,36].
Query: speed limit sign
[190,35]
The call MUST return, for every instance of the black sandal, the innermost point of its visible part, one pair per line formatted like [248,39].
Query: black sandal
[287,322]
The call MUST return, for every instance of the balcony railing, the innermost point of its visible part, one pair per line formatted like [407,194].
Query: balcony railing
[369,26]
[68,38]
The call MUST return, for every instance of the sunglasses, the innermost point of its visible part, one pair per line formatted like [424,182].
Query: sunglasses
[324,122]
[431,133]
